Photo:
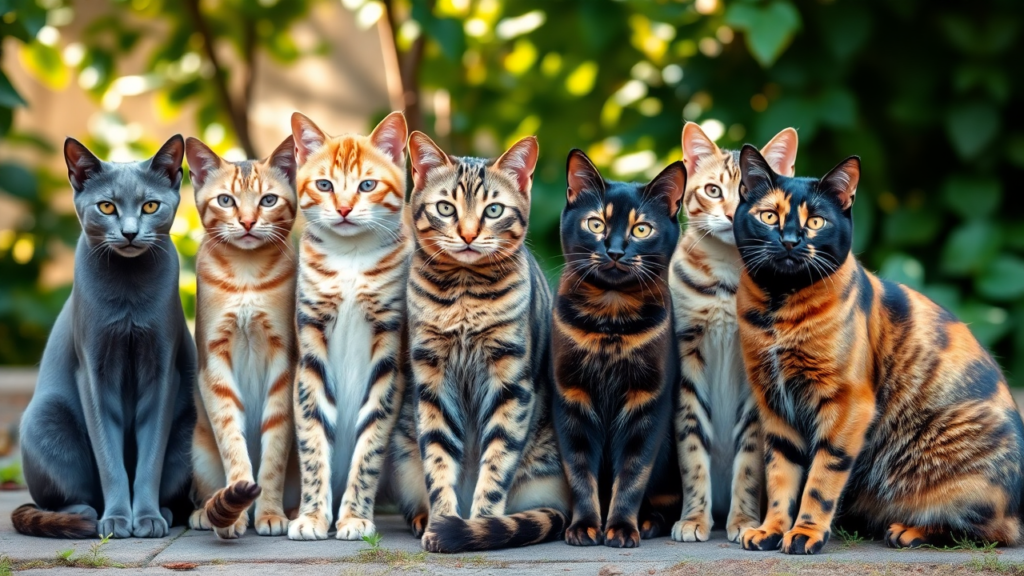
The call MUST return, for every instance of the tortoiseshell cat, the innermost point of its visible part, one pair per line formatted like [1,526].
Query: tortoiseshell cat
[867,390]
[479,333]
[245,332]
[717,430]
[614,354]
[353,265]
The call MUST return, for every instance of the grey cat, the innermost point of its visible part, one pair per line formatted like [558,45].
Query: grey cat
[107,433]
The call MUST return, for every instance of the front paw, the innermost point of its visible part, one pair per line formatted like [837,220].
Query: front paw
[271,523]
[418,524]
[431,541]
[354,528]
[693,530]
[622,535]
[235,530]
[735,528]
[149,526]
[115,527]
[308,527]
[199,520]
[584,533]
[804,540]
[761,539]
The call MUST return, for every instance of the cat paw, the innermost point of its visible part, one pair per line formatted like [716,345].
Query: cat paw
[735,528]
[115,527]
[431,541]
[308,528]
[903,536]
[652,527]
[584,533]
[271,524]
[233,531]
[804,540]
[149,526]
[354,528]
[692,530]
[761,539]
[199,520]
[622,535]
[418,524]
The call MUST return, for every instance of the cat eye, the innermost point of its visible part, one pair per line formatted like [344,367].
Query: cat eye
[642,230]
[445,208]
[150,207]
[268,200]
[713,191]
[494,210]
[815,223]
[324,186]
[107,208]
[367,185]
[225,201]
[595,225]
[768,217]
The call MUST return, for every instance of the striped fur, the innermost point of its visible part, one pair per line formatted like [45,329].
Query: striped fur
[75,522]
[879,407]
[353,266]
[479,331]
[245,331]
[718,432]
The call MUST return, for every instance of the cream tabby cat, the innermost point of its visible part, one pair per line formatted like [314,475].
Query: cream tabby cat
[353,266]
[718,434]
[245,330]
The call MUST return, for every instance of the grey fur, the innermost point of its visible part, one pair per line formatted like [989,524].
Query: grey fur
[108,431]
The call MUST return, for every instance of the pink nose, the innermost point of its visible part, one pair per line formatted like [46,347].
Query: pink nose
[247,224]
[344,210]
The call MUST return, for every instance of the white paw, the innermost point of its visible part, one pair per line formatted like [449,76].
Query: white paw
[269,524]
[691,531]
[354,528]
[308,528]
[236,530]
[199,520]
[736,527]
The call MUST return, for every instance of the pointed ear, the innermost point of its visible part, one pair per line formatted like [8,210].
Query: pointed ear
[757,175]
[669,185]
[425,156]
[697,147]
[308,138]
[282,158]
[780,152]
[167,160]
[82,164]
[581,176]
[201,161]
[842,181]
[389,137]
[521,159]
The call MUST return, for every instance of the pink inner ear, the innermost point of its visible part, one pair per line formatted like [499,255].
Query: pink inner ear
[426,156]
[389,137]
[521,160]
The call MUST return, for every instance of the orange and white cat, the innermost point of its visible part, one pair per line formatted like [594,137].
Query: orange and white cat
[353,268]
[245,318]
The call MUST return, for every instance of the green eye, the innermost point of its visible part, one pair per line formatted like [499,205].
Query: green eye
[494,210]
[445,208]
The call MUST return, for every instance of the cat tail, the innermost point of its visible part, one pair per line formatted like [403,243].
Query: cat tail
[450,534]
[224,507]
[31,520]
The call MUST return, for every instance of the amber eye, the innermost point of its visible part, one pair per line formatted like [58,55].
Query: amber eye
[642,230]
[107,208]
[445,208]
[150,207]
[595,225]
[770,218]
[816,223]
[713,191]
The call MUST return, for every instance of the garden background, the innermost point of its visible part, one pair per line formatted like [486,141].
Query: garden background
[923,91]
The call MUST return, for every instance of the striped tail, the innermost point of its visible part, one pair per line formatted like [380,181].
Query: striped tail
[29,519]
[450,534]
[224,508]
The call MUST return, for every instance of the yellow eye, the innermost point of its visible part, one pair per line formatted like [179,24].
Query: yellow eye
[107,208]
[150,207]
[596,225]
[815,223]
[642,230]
[770,218]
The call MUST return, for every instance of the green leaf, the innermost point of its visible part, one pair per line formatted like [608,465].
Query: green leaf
[988,323]
[971,247]
[906,227]
[1003,280]
[18,181]
[9,97]
[768,29]
[837,108]
[972,197]
[46,64]
[971,127]
[945,295]
[900,267]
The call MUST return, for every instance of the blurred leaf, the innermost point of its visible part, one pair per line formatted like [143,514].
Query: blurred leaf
[46,64]
[837,108]
[970,248]
[906,227]
[768,29]
[1003,280]
[972,197]
[9,97]
[944,295]
[987,323]
[6,119]
[845,26]
[972,126]
[904,269]
[17,181]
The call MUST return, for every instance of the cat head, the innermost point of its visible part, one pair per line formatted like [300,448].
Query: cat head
[713,179]
[351,185]
[246,204]
[620,234]
[794,231]
[471,210]
[126,207]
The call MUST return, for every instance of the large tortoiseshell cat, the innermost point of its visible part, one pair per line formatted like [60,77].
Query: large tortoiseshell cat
[867,390]
[353,266]
[479,331]
[614,354]
[718,435]
[245,332]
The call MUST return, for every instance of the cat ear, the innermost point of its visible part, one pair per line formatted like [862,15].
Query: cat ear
[521,159]
[201,161]
[581,175]
[82,164]
[669,185]
[282,158]
[780,152]
[308,138]
[389,137]
[842,181]
[697,147]
[425,156]
[757,175]
[167,160]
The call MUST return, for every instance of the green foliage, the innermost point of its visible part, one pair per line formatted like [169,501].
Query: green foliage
[848,539]
[373,540]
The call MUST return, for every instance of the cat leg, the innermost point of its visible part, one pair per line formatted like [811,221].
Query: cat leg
[407,484]
[207,469]
[176,504]
[747,473]
[581,439]
[784,471]
[693,436]
[276,441]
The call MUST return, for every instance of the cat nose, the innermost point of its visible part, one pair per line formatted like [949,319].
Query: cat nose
[344,210]
[616,254]
[729,216]
[247,224]
[788,245]
[129,235]
[468,237]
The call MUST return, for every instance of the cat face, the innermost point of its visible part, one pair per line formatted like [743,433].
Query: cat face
[619,234]
[125,207]
[351,185]
[246,204]
[713,179]
[471,210]
[794,231]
